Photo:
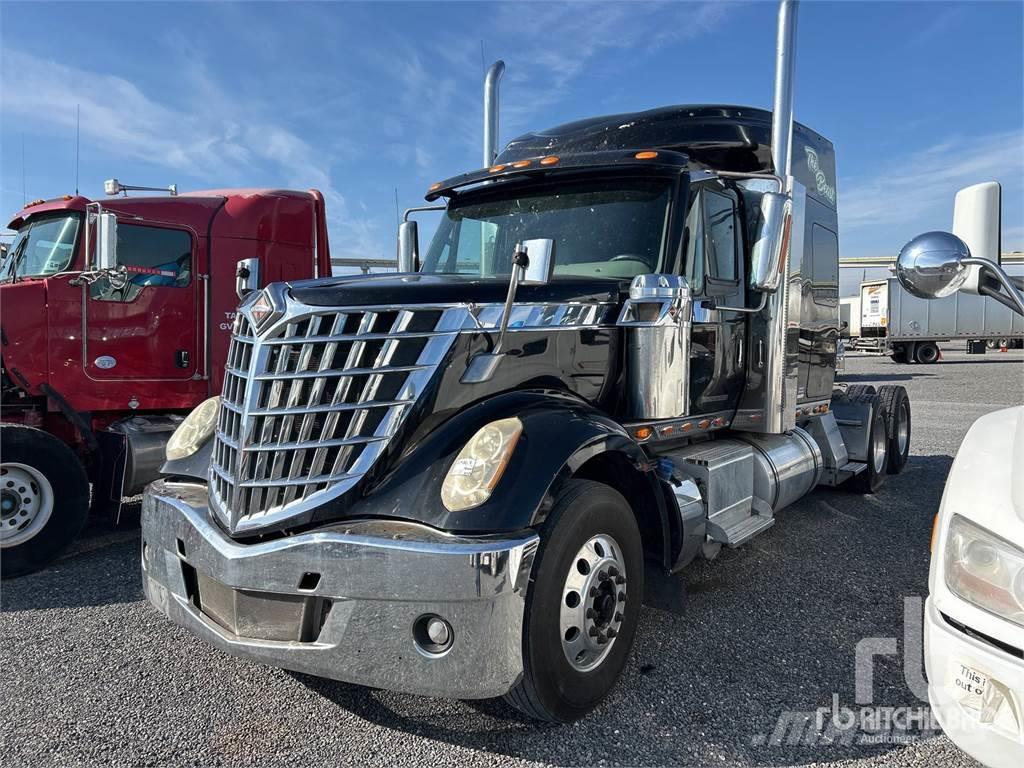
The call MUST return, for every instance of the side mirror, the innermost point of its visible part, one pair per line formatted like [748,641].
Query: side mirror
[541,253]
[106,241]
[408,247]
[771,241]
[247,277]
[931,265]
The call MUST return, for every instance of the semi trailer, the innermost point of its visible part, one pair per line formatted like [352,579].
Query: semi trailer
[115,316]
[619,346]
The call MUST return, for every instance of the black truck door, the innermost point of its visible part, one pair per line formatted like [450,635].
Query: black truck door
[714,267]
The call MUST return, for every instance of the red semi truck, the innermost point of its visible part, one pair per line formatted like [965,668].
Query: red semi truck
[115,317]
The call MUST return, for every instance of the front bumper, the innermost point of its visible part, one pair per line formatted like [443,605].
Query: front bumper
[989,728]
[341,602]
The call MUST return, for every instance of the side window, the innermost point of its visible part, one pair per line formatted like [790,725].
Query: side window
[723,238]
[152,256]
[824,263]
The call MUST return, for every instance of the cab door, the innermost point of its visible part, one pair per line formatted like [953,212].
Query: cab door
[715,270]
[145,326]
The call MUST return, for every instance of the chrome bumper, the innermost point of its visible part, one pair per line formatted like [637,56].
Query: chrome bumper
[341,602]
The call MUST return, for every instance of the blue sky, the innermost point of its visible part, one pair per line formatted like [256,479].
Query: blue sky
[356,99]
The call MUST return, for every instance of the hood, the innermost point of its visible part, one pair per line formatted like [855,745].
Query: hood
[985,483]
[417,288]
[24,325]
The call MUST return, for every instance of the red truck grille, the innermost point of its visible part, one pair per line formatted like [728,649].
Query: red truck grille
[309,406]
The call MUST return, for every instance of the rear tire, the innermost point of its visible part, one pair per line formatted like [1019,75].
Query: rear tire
[44,499]
[570,607]
[871,479]
[927,353]
[897,417]
[899,354]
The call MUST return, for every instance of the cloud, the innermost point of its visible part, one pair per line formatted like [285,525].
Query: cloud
[215,138]
[909,196]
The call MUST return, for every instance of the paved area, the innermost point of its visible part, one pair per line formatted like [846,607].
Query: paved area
[91,675]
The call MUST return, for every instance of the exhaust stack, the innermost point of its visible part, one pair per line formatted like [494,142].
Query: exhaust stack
[494,73]
[782,108]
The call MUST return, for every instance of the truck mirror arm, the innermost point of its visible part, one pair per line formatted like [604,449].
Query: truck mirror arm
[1012,298]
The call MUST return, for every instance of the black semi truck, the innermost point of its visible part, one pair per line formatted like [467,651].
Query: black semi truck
[620,345]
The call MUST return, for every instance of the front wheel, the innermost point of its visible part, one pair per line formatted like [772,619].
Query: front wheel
[583,605]
[44,498]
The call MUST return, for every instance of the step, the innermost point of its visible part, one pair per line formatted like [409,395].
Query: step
[741,531]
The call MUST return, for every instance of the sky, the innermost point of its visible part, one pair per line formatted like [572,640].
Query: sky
[360,100]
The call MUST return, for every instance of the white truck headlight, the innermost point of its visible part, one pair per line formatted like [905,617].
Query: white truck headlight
[985,570]
[194,430]
[479,465]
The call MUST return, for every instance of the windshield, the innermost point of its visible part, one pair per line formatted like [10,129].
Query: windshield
[42,247]
[614,229]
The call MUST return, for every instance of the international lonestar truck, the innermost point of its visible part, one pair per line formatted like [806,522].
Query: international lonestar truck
[619,345]
[116,316]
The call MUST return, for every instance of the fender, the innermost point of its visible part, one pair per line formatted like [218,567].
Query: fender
[562,436]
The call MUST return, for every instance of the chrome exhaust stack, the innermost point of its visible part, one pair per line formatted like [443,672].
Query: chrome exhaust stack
[493,77]
[782,106]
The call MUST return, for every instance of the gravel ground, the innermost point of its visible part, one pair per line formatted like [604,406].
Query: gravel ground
[92,675]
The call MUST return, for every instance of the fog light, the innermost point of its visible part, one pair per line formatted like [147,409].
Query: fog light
[433,635]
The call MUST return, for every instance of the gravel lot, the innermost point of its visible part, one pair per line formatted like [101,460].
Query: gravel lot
[92,675]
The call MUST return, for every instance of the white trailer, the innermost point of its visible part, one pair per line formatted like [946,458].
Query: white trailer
[909,329]
[849,319]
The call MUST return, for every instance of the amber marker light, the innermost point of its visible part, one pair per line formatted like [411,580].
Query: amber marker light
[549,160]
[643,433]
[704,424]
[496,168]
[435,186]
[521,164]
[935,532]
[646,155]
[686,427]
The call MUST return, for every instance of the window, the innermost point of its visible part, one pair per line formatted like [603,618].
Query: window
[722,236]
[152,256]
[695,256]
[824,264]
[43,246]
[611,228]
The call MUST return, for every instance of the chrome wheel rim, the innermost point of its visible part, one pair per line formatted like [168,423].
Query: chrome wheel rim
[903,429]
[26,503]
[593,602]
[878,446]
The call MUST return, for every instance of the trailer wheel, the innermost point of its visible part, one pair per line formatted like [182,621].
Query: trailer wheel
[927,353]
[899,354]
[990,344]
[872,477]
[583,604]
[44,499]
[897,416]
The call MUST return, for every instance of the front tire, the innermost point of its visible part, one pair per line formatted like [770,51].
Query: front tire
[44,499]
[583,605]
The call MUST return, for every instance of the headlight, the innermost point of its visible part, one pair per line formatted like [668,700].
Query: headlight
[985,570]
[479,465]
[194,430]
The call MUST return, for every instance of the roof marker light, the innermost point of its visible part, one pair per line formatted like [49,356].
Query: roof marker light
[521,163]
[496,168]
[646,155]
[549,160]
[435,186]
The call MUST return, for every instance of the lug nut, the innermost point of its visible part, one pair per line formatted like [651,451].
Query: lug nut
[613,571]
[593,592]
[622,597]
[602,576]
[601,639]
[618,617]
[612,632]
[591,613]
[594,632]
[620,579]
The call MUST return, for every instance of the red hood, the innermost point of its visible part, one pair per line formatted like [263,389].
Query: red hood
[23,344]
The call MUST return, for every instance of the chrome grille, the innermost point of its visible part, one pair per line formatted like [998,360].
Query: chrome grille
[309,406]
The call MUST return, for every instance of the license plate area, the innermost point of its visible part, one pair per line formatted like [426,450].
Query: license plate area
[256,615]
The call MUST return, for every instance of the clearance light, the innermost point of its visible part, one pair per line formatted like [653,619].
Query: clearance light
[643,433]
[549,160]
[646,155]
[704,424]
[686,427]
[496,168]
[521,163]
[435,186]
